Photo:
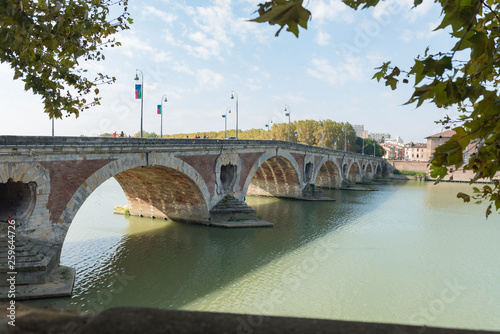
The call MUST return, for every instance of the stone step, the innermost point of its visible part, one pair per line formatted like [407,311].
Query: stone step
[34,260]
[230,208]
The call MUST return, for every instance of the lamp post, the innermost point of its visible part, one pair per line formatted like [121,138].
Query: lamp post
[363,147]
[322,134]
[345,140]
[268,125]
[163,99]
[233,93]
[374,148]
[225,121]
[141,92]
[52,126]
[287,113]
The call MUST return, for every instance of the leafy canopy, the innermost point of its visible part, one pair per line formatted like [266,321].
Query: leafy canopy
[468,83]
[44,41]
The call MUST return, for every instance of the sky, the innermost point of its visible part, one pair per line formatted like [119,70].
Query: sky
[198,52]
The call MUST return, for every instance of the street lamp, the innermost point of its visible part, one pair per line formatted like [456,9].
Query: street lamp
[139,93]
[268,125]
[287,113]
[322,134]
[374,148]
[345,140]
[233,93]
[160,111]
[52,126]
[228,110]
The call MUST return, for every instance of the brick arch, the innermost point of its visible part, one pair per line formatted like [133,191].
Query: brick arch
[328,175]
[157,175]
[369,171]
[275,174]
[378,171]
[354,172]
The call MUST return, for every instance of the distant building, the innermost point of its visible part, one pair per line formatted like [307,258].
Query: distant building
[380,137]
[360,129]
[393,151]
[437,140]
[416,152]
[396,140]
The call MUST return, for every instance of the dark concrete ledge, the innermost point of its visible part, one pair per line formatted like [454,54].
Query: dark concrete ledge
[59,284]
[144,320]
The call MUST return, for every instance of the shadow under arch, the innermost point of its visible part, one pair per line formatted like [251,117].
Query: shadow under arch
[178,177]
[277,176]
[369,171]
[328,176]
[163,192]
[354,173]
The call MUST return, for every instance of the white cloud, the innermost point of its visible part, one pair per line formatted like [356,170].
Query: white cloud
[386,10]
[133,45]
[336,75]
[181,67]
[331,10]
[168,18]
[208,79]
[260,72]
[214,28]
[253,84]
[322,38]
[425,34]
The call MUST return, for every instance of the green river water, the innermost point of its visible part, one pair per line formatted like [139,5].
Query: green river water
[408,253]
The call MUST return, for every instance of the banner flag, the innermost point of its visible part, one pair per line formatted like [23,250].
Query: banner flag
[158,109]
[287,114]
[138,91]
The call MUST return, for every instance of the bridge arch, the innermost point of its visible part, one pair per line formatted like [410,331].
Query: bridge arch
[275,174]
[354,174]
[163,187]
[329,175]
[378,171]
[368,171]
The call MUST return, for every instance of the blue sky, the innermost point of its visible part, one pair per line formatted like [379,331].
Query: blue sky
[197,52]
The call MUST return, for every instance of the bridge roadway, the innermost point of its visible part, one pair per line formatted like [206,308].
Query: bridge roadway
[45,180]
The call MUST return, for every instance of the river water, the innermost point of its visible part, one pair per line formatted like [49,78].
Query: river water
[407,253]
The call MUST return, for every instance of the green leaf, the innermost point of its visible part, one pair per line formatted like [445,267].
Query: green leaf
[284,12]
[465,197]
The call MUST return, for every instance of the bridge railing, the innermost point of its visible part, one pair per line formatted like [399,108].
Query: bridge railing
[48,141]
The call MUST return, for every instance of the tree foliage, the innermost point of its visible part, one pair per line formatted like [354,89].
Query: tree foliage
[284,12]
[465,78]
[369,146]
[309,132]
[44,42]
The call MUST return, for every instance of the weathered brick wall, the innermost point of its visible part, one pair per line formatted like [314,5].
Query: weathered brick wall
[276,177]
[161,192]
[328,176]
[413,166]
[65,178]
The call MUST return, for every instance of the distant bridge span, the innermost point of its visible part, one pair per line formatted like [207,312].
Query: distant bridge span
[45,180]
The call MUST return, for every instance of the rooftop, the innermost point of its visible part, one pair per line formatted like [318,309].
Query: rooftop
[445,134]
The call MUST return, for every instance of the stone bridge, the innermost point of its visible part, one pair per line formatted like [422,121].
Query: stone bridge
[45,180]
